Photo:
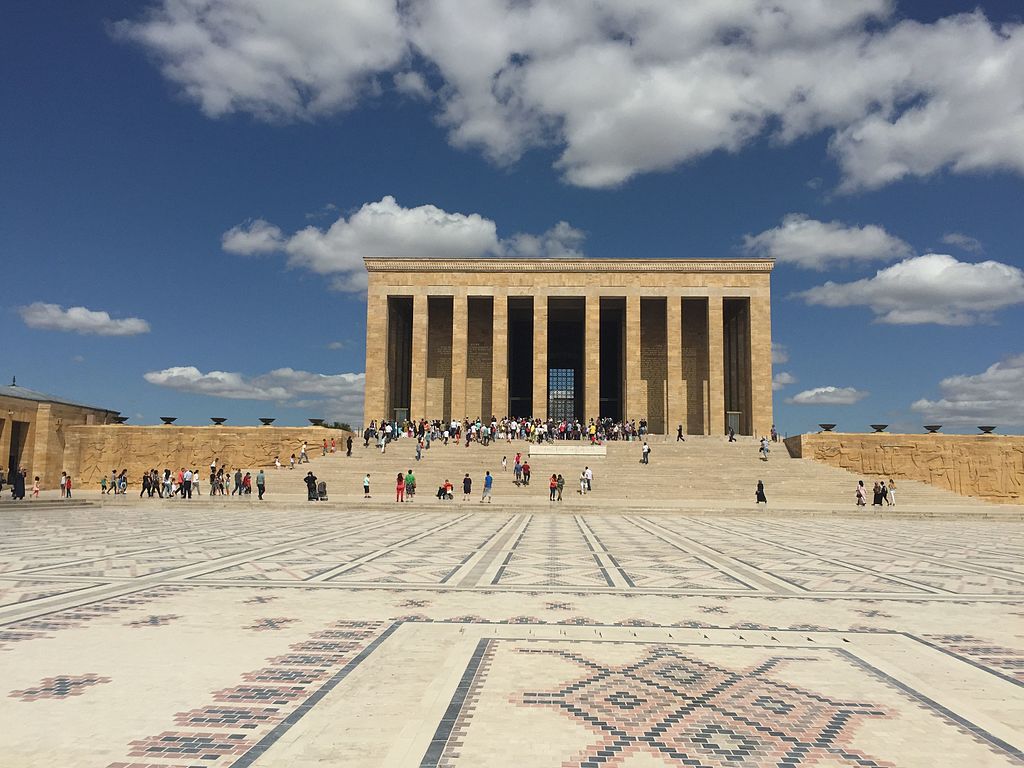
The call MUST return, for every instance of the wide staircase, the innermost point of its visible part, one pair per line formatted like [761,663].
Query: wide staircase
[702,474]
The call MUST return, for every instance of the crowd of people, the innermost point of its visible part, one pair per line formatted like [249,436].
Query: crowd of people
[486,432]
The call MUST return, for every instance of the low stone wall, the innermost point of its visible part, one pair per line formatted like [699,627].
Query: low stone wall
[92,451]
[989,467]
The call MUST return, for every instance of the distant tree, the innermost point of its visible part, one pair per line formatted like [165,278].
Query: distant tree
[341,425]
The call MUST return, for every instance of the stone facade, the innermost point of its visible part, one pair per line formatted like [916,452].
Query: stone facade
[673,316]
[990,467]
[93,451]
[34,430]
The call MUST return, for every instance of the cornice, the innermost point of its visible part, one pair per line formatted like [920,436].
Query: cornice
[568,265]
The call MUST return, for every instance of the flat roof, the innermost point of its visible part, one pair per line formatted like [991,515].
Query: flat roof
[24,393]
[375,264]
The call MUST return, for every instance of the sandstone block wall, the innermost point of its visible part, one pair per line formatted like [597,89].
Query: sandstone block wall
[990,467]
[92,451]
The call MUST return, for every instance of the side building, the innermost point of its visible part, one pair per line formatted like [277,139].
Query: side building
[673,341]
[33,431]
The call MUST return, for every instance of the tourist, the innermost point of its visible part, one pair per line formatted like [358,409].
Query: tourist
[526,472]
[333,445]
[35,488]
[885,493]
[588,473]
[759,493]
[67,488]
[366,486]
[325,446]
[488,482]
[892,492]
[400,487]
[419,450]
[552,487]
[291,462]
[63,484]
[517,471]
[238,482]
[679,434]
[732,435]
[103,484]
[247,484]
[261,484]
[862,494]
[645,454]
[277,462]
[467,487]
[410,486]
[504,463]
[775,435]
[876,499]
[560,485]
[303,456]
[310,481]
[763,450]
[348,446]
[18,485]
[195,484]
[583,482]
[186,484]
[113,482]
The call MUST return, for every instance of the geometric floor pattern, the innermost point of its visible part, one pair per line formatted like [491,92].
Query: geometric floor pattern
[223,635]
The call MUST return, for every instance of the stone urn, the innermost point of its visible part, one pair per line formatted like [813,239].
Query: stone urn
[168,419]
[218,420]
[266,421]
[827,427]
[932,428]
[316,422]
[879,427]
[987,430]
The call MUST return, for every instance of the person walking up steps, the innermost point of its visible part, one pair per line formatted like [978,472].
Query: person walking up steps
[759,493]
[553,487]
[488,482]
[862,494]
[366,486]
[645,454]
[467,487]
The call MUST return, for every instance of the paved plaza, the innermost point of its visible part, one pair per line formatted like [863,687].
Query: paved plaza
[292,635]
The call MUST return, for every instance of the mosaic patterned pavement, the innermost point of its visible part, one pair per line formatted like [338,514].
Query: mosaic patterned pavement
[297,636]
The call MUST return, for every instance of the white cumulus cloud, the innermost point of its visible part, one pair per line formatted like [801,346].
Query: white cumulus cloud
[934,288]
[828,396]
[990,397]
[338,396]
[53,317]
[965,242]
[274,60]
[811,244]
[621,89]
[388,230]
[782,380]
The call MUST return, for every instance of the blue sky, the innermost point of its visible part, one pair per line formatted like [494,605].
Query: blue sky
[157,161]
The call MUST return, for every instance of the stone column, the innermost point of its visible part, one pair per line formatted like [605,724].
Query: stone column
[761,364]
[716,367]
[635,404]
[591,359]
[540,356]
[418,394]
[499,358]
[375,398]
[676,413]
[460,348]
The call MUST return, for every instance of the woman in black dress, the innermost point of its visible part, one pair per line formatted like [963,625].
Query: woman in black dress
[760,493]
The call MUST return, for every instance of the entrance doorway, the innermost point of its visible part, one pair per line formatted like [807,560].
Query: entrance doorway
[19,438]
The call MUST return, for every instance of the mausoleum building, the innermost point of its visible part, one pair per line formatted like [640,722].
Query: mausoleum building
[673,341]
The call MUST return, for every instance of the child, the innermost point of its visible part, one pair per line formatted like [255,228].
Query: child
[103,484]
[35,488]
